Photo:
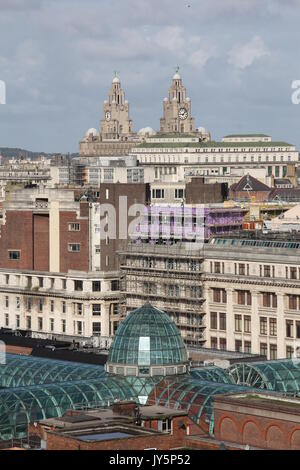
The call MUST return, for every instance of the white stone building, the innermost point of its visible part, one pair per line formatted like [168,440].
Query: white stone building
[78,306]
[186,156]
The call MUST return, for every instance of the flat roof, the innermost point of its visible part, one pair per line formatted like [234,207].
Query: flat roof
[246,135]
[232,242]
[155,411]
[212,144]
[86,419]
[105,436]
[96,418]
[38,349]
[265,400]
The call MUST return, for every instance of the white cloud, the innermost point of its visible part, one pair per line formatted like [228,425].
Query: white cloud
[200,57]
[128,44]
[65,51]
[170,38]
[242,56]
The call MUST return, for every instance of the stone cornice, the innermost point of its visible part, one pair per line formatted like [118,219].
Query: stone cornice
[255,282]
[62,295]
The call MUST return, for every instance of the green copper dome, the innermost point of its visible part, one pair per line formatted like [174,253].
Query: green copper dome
[147,343]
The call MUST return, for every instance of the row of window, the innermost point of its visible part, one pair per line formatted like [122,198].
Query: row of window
[269,299]
[179,193]
[245,346]
[242,269]
[186,319]
[78,284]
[242,323]
[96,326]
[16,254]
[215,151]
[72,227]
[171,263]
[251,148]
[171,170]
[173,290]
[77,306]
[219,159]
[96,285]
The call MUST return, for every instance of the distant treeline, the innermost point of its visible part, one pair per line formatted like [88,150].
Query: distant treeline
[7,152]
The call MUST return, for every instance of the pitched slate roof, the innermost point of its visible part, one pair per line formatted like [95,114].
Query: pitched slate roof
[284,194]
[249,183]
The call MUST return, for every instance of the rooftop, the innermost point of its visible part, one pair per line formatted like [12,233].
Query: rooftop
[249,183]
[123,412]
[263,401]
[246,135]
[267,243]
[172,136]
[124,420]
[212,144]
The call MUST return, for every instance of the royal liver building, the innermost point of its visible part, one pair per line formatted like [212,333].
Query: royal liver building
[177,109]
[116,136]
[116,124]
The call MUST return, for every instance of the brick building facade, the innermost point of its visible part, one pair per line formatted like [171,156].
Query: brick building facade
[197,192]
[49,284]
[116,428]
[261,421]
[40,231]
[122,197]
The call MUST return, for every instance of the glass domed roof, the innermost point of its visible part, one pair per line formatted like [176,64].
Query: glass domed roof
[147,337]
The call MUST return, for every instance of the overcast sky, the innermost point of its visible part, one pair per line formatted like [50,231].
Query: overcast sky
[237,60]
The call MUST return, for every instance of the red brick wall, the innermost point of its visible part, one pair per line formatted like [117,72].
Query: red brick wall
[59,442]
[136,194]
[23,351]
[17,234]
[260,196]
[84,209]
[77,261]
[125,408]
[41,242]
[29,233]
[207,444]
[256,431]
[56,441]
[195,429]
[196,192]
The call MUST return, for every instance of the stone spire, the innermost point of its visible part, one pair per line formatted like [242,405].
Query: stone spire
[177,109]
[116,124]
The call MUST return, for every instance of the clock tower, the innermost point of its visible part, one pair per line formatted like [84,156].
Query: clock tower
[116,124]
[177,109]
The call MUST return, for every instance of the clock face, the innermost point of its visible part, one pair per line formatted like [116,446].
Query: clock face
[107,116]
[183,114]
